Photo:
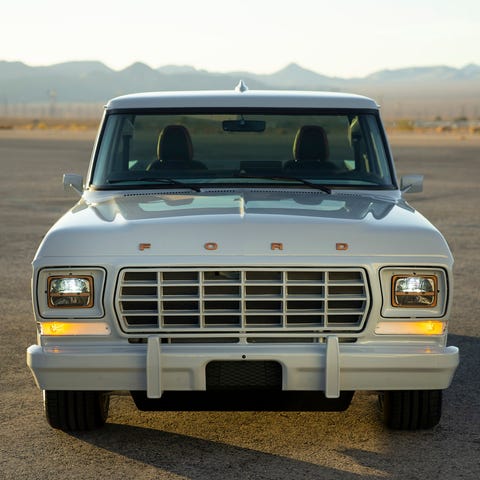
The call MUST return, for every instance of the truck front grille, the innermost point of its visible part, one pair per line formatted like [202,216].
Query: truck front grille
[241,300]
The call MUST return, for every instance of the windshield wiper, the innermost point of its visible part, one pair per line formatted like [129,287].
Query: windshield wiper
[291,179]
[163,180]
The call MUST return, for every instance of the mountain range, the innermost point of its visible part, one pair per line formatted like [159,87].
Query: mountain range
[439,90]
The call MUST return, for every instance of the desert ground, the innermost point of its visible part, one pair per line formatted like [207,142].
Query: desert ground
[241,445]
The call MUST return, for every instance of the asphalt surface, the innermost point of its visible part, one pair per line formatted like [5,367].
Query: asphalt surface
[226,445]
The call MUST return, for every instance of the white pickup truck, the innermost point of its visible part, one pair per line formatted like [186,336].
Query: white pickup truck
[242,243]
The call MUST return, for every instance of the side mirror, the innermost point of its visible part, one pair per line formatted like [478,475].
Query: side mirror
[72,180]
[411,183]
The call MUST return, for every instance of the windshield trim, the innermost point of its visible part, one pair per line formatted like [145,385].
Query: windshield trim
[205,187]
[240,110]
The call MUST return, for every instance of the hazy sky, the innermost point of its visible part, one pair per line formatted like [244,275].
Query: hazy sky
[336,37]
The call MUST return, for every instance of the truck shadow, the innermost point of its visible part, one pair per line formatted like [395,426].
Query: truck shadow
[465,387]
[392,454]
[196,458]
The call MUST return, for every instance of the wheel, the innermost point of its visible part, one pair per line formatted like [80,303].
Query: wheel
[411,409]
[75,411]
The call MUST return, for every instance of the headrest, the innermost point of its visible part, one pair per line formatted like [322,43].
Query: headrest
[174,144]
[310,144]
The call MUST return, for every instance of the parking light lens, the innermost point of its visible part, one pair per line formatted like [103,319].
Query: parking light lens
[57,329]
[427,327]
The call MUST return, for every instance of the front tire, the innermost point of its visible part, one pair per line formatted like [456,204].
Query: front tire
[411,409]
[75,410]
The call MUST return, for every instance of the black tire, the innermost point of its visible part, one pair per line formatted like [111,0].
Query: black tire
[411,409]
[76,411]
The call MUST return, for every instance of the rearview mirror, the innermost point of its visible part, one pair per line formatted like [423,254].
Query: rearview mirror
[72,180]
[243,125]
[411,183]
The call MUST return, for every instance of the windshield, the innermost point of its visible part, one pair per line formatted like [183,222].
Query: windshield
[197,150]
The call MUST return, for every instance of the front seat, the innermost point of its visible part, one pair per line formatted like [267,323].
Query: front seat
[310,151]
[175,150]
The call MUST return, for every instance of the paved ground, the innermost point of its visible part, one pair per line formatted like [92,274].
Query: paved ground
[225,445]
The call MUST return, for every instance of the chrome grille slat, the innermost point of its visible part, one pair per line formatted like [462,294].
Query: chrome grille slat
[243,300]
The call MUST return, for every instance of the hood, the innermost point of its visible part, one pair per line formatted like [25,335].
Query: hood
[290,223]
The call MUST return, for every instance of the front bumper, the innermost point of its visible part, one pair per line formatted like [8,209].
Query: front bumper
[330,367]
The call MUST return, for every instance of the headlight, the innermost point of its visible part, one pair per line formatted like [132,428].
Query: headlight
[66,293]
[70,292]
[414,291]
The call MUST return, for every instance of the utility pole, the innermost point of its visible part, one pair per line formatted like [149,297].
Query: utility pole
[53,100]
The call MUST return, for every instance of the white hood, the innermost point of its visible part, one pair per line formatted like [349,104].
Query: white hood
[306,223]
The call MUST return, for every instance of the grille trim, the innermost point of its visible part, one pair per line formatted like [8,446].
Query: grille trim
[244,300]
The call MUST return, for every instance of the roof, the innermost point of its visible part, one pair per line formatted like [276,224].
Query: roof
[242,99]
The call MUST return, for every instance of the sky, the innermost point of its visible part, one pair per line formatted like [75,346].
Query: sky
[344,38]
